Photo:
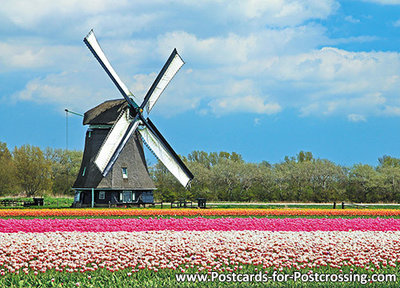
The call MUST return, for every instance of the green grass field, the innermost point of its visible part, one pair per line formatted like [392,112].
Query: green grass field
[49,202]
[167,278]
[66,202]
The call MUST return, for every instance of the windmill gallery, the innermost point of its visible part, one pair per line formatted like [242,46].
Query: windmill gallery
[113,169]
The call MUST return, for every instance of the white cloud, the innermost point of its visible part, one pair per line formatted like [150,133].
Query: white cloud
[90,86]
[235,49]
[331,81]
[231,74]
[256,56]
[356,118]
[66,90]
[248,103]
[282,12]
[351,19]
[34,55]
[384,2]
[352,39]
[30,14]
[177,97]
[391,110]
[70,18]
[331,63]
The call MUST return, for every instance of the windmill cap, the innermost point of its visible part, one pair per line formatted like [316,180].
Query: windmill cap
[105,113]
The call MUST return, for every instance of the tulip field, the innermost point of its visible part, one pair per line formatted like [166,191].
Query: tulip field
[149,247]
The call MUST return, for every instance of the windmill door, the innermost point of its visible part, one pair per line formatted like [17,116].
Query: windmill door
[127,196]
[114,197]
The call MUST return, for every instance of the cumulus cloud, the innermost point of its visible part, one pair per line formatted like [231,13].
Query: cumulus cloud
[281,13]
[66,90]
[30,14]
[34,55]
[177,98]
[384,2]
[326,81]
[351,19]
[238,49]
[247,103]
[333,81]
[356,118]
[391,110]
[70,18]
[253,56]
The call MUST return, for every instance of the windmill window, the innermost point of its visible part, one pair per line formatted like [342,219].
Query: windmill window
[102,195]
[124,173]
[77,196]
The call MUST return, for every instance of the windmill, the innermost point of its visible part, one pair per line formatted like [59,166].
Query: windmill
[113,168]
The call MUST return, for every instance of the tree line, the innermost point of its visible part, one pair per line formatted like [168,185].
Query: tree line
[219,176]
[227,177]
[29,171]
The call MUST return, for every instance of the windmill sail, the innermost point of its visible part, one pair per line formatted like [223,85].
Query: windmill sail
[163,151]
[125,126]
[94,46]
[114,139]
[171,67]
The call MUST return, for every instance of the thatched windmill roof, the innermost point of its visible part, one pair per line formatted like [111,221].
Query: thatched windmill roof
[105,113]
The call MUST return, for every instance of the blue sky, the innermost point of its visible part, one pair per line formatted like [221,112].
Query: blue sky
[262,78]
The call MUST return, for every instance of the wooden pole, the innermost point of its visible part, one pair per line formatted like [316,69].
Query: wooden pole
[92,197]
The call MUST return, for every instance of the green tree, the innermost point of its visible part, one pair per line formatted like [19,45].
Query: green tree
[33,171]
[225,179]
[64,168]
[282,173]
[225,176]
[389,168]
[304,156]
[264,184]
[234,179]
[304,178]
[200,157]
[388,161]
[7,171]
[202,187]
[328,181]
[168,187]
[365,184]
[390,192]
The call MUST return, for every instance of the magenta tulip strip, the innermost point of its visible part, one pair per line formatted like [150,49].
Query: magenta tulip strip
[198,224]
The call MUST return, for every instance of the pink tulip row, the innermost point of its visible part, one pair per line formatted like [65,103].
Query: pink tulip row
[198,224]
[204,250]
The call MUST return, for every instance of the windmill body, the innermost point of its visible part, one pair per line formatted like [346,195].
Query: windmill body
[129,180]
[113,169]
